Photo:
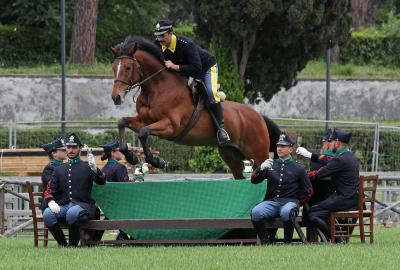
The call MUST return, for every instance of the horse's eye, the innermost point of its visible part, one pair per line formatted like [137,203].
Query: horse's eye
[128,68]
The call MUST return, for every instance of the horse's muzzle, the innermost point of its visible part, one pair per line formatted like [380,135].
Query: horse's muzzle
[117,100]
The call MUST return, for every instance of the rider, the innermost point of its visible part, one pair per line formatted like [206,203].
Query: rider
[187,58]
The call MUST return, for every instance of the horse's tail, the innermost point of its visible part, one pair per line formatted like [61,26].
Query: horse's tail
[274,132]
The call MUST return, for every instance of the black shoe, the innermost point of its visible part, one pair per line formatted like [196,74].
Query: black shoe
[122,236]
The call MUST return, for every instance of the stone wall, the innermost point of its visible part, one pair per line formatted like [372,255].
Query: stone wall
[39,98]
[349,99]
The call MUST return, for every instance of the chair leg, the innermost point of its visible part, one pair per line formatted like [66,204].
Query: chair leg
[45,236]
[371,229]
[362,229]
[333,229]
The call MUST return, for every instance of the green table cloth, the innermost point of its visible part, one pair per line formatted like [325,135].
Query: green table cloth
[178,199]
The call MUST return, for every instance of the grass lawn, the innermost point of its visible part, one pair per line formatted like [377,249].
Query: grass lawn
[18,253]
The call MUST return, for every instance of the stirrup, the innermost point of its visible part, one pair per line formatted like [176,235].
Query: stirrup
[222,136]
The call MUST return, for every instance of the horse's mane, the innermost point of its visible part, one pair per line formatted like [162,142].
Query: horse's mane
[143,45]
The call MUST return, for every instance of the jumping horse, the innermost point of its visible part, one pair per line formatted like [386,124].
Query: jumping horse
[165,108]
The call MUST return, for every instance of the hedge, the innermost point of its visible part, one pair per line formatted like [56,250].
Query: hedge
[379,46]
[27,46]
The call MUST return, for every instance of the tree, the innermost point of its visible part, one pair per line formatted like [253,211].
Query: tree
[84,32]
[271,41]
[359,10]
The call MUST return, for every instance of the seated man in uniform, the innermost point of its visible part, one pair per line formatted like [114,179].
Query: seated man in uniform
[184,56]
[322,189]
[344,172]
[288,187]
[57,154]
[69,193]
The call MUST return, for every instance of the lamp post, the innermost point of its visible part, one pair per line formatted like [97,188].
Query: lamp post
[328,85]
[62,4]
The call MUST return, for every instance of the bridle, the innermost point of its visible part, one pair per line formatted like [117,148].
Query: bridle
[131,84]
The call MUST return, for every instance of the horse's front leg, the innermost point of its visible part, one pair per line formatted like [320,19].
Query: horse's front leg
[134,124]
[161,128]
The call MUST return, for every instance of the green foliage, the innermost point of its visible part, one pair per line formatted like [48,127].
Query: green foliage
[39,41]
[118,20]
[228,77]
[207,160]
[287,35]
[378,46]
[26,45]
[316,69]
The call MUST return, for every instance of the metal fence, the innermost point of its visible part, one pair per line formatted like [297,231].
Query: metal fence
[373,144]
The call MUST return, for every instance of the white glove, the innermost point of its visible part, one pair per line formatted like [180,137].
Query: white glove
[267,164]
[303,152]
[145,168]
[54,207]
[92,162]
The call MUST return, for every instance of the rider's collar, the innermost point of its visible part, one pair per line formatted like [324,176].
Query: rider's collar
[172,44]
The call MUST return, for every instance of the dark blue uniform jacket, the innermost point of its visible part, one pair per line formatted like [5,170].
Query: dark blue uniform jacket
[115,172]
[193,60]
[73,182]
[344,172]
[287,182]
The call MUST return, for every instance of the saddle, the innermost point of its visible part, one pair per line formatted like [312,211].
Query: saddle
[197,88]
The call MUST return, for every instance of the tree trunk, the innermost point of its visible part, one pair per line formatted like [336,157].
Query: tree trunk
[359,9]
[84,32]
[246,49]
[335,54]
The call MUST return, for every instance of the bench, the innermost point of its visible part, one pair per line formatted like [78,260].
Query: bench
[192,223]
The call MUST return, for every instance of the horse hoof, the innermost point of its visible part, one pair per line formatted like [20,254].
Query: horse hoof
[161,164]
[158,163]
[123,148]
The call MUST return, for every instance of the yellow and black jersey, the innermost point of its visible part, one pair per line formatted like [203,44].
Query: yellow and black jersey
[193,60]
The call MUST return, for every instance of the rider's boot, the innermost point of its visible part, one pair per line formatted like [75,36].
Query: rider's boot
[222,135]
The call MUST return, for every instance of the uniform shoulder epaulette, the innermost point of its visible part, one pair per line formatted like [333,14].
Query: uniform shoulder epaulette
[182,40]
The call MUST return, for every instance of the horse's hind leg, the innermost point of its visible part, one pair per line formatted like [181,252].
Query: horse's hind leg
[234,159]
[130,156]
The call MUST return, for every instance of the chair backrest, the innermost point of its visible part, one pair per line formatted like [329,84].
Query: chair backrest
[367,193]
[35,198]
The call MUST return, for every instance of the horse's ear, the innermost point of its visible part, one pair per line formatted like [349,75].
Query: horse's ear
[132,50]
[114,50]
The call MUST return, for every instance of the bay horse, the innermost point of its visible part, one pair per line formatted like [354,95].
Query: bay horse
[165,108]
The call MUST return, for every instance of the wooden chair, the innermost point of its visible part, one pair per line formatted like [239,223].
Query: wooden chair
[40,230]
[342,222]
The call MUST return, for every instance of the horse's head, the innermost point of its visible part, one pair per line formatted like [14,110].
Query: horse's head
[125,68]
